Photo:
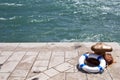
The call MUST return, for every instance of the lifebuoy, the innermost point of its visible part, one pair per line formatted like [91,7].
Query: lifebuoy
[99,68]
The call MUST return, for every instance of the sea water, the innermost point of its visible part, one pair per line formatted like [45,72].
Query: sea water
[59,20]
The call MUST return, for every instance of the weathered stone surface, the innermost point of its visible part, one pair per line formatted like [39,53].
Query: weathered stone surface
[17,56]
[74,61]
[76,76]
[8,46]
[26,62]
[63,67]
[32,45]
[51,72]
[104,76]
[114,71]
[60,44]
[8,53]
[76,69]
[58,53]
[32,53]
[31,74]
[56,60]
[3,58]
[8,66]
[39,68]
[60,76]
[4,76]
[114,68]
[0,52]
[70,70]
[16,78]
[71,54]
[44,55]
[41,63]
[51,61]
[83,50]
[40,76]
[35,71]
[87,44]
[20,73]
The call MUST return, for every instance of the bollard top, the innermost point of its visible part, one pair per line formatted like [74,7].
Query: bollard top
[101,47]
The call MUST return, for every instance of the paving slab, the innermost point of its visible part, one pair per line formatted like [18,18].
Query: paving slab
[71,54]
[60,76]
[44,55]
[19,73]
[38,68]
[16,56]
[74,61]
[4,76]
[26,62]
[32,45]
[34,53]
[7,53]
[51,72]
[71,70]
[63,67]
[41,63]
[8,46]
[8,66]
[76,76]
[3,58]
[58,53]
[103,76]
[16,78]
[56,59]
[40,76]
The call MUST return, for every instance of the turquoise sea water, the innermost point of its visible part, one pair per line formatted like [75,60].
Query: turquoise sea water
[59,20]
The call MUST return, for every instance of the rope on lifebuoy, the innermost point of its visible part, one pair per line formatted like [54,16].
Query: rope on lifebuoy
[99,68]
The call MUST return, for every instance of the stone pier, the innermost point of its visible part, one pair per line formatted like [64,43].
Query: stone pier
[51,61]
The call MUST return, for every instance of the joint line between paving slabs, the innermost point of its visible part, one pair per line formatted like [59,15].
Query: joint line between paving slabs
[49,60]
[65,77]
[16,47]
[64,56]
[109,74]
[32,64]
[86,76]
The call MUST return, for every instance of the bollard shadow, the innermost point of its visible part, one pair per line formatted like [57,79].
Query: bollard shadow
[35,79]
[1,65]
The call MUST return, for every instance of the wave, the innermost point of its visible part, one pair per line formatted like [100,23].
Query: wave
[93,38]
[70,40]
[10,4]
[41,20]
[11,18]
[3,19]
[88,38]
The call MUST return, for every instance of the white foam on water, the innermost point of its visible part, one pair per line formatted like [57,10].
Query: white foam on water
[105,8]
[88,38]
[70,40]
[3,19]
[41,20]
[11,18]
[10,4]
[95,38]
[36,20]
